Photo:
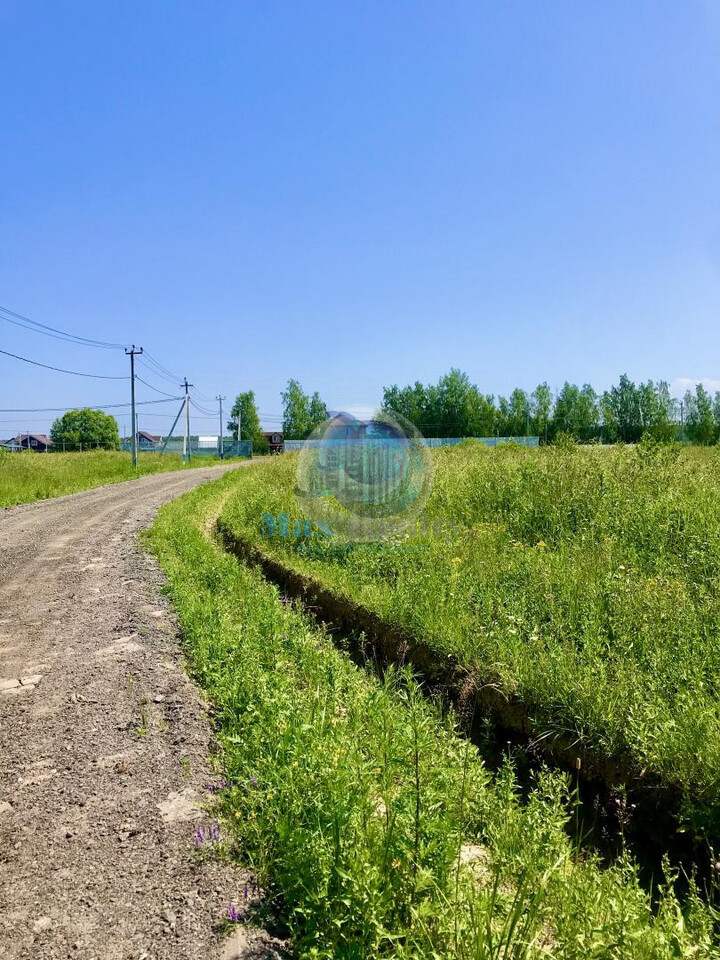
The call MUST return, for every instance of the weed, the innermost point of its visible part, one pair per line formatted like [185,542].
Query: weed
[353,799]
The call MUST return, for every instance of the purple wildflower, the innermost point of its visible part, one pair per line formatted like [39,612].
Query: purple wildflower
[254,780]
[247,890]
[215,832]
[216,788]
[285,600]
[233,913]
[199,836]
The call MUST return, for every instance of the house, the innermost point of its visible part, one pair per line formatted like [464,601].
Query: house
[343,426]
[148,441]
[38,442]
[274,439]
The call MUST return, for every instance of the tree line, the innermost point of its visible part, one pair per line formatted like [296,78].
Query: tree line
[455,407]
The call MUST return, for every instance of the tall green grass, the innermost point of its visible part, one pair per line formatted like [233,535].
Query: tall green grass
[28,476]
[585,582]
[373,828]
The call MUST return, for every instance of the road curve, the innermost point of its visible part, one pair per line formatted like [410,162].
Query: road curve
[103,741]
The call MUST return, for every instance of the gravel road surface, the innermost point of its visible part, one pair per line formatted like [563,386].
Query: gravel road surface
[103,743]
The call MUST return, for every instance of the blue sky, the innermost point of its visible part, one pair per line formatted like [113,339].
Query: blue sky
[357,194]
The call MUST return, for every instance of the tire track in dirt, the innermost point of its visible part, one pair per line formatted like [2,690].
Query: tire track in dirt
[103,742]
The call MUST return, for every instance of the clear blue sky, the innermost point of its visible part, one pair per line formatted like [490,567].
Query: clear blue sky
[359,193]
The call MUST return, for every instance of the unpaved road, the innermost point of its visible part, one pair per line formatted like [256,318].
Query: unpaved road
[103,742]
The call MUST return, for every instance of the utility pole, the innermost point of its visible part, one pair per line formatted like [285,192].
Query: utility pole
[132,353]
[187,418]
[220,438]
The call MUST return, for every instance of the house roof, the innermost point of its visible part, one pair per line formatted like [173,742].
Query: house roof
[152,437]
[22,438]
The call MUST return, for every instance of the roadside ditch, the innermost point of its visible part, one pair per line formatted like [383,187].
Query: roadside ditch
[619,805]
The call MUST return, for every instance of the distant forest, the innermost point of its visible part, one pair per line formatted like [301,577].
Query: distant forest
[455,407]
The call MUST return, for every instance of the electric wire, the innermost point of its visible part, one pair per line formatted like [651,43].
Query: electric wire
[94,406]
[156,389]
[22,321]
[163,370]
[153,368]
[74,373]
[201,409]
[203,396]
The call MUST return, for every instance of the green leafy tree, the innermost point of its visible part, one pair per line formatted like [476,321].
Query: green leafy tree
[451,401]
[410,402]
[85,428]
[610,428]
[301,413]
[657,410]
[250,428]
[503,421]
[318,411]
[481,414]
[716,413]
[624,401]
[453,407]
[519,419]
[699,415]
[576,413]
[587,421]
[541,403]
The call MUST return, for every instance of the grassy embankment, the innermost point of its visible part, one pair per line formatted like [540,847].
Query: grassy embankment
[584,584]
[25,477]
[374,828]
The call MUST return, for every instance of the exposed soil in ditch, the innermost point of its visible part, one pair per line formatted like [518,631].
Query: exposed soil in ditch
[104,744]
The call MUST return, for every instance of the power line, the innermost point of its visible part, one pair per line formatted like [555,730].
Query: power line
[154,366]
[171,416]
[95,406]
[202,409]
[74,373]
[157,369]
[156,389]
[203,396]
[22,321]
[157,363]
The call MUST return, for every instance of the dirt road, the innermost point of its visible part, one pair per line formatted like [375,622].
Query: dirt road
[103,741]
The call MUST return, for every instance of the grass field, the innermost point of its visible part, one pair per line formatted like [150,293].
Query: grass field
[373,828]
[25,477]
[584,582]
